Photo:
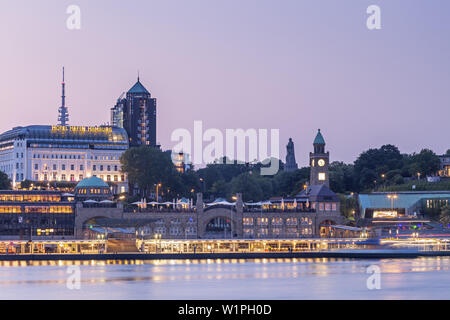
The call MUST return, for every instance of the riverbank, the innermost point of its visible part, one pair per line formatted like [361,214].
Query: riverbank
[342,254]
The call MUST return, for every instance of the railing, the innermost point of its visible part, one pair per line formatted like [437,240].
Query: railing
[246,209]
[99,205]
[158,210]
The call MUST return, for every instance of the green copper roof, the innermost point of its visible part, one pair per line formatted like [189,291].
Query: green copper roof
[93,182]
[138,88]
[319,138]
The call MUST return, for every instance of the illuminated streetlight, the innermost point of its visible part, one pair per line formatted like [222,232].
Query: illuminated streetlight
[392,197]
[157,191]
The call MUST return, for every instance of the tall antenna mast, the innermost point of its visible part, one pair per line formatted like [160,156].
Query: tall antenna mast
[63,117]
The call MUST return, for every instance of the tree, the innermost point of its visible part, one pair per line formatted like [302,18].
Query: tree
[248,185]
[426,163]
[373,163]
[341,177]
[5,183]
[26,184]
[290,183]
[448,152]
[444,217]
[148,166]
[349,206]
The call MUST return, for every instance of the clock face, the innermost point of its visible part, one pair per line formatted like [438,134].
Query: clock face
[321,162]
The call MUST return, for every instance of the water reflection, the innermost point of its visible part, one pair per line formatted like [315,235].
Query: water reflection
[298,278]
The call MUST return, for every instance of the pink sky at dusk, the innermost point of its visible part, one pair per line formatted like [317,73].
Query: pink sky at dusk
[292,65]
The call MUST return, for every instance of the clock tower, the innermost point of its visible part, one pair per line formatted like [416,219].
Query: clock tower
[319,161]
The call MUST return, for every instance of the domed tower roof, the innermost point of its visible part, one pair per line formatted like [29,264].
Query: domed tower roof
[92,182]
[319,138]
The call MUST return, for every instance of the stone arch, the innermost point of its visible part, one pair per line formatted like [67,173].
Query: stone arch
[83,215]
[219,212]
[325,230]
[92,220]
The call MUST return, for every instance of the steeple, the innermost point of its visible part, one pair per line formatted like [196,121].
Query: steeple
[319,161]
[319,138]
[63,117]
[319,143]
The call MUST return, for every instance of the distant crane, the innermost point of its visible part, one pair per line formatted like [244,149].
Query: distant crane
[121,96]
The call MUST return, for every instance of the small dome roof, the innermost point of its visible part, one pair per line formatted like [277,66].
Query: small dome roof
[92,182]
[319,138]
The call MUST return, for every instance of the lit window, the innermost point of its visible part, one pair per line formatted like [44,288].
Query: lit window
[321,176]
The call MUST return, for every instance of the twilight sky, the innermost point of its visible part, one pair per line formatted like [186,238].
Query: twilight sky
[288,64]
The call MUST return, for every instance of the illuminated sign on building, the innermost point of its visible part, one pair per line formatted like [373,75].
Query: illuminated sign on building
[81,130]
[385,214]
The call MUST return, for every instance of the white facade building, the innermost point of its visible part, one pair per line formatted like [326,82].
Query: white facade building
[64,153]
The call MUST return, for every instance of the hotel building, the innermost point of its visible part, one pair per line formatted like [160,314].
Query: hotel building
[63,153]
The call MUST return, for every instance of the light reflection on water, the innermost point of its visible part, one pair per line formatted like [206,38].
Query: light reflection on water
[422,278]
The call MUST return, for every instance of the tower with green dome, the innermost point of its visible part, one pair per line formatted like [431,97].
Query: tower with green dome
[319,161]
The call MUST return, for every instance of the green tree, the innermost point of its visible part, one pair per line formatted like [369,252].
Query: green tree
[341,177]
[290,183]
[26,184]
[349,206]
[248,185]
[148,166]
[5,183]
[373,163]
[444,217]
[426,163]
[221,189]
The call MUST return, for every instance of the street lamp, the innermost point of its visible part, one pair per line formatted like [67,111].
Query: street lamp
[392,197]
[157,191]
[231,217]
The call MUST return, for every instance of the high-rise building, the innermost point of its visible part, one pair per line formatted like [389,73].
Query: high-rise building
[319,161]
[291,165]
[136,113]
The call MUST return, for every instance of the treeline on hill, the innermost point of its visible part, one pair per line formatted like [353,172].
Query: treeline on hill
[374,169]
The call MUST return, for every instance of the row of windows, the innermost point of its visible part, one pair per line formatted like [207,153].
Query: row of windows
[72,156]
[174,231]
[92,191]
[72,167]
[36,209]
[73,177]
[264,232]
[29,198]
[325,206]
[276,221]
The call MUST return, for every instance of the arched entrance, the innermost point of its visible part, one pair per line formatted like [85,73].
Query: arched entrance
[92,228]
[218,227]
[325,229]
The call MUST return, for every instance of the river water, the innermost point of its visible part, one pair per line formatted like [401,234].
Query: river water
[421,278]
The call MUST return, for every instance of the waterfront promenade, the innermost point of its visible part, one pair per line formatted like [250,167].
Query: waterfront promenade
[360,248]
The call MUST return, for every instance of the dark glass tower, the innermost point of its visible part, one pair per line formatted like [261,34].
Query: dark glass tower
[136,113]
